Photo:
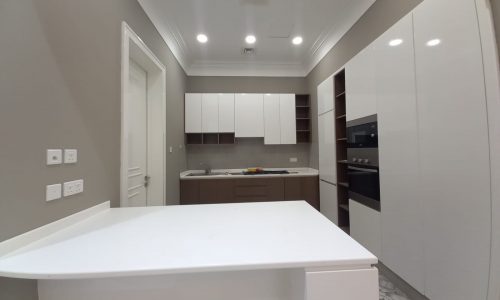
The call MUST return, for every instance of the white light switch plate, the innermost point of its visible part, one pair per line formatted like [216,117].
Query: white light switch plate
[53,192]
[73,187]
[54,157]
[70,156]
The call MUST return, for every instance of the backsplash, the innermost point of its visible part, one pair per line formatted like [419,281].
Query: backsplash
[248,152]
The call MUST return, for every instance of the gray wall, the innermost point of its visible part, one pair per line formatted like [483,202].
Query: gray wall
[60,87]
[247,152]
[379,17]
[496,17]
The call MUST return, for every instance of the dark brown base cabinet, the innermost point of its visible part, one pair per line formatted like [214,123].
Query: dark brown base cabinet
[209,191]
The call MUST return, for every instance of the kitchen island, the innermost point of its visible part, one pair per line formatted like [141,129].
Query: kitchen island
[271,251]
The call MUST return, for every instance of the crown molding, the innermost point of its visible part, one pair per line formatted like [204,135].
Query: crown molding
[327,39]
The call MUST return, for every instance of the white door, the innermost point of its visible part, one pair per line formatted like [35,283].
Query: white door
[328,201]
[454,149]
[137,136]
[210,113]
[226,112]
[360,85]
[365,227]
[192,107]
[272,130]
[327,149]
[287,119]
[249,115]
[325,96]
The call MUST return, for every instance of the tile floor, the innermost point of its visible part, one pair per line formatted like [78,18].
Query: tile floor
[389,291]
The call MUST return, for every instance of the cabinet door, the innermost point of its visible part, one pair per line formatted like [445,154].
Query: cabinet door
[249,115]
[325,95]
[272,130]
[210,113]
[401,205]
[192,113]
[303,188]
[360,86]
[328,201]
[287,119]
[454,150]
[365,227]
[259,190]
[327,150]
[189,192]
[226,112]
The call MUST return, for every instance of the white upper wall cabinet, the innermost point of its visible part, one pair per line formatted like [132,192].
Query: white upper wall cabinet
[210,113]
[325,96]
[287,119]
[226,112]
[360,85]
[401,205]
[192,119]
[249,115]
[272,125]
[454,149]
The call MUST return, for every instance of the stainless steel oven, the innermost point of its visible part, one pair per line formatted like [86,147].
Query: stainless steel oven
[362,156]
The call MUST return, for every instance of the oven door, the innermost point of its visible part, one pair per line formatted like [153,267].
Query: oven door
[364,186]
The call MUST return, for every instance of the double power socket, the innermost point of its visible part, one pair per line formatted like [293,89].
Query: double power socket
[57,191]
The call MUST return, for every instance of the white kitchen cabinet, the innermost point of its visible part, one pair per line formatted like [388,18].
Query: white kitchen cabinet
[365,227]
[327,147]
[226,112]
[209,113]
[328,201]
[401,205]
[272,125]
[192,119]
[249,115]
[454,149]
[287,119]
[325,96]
[360,85]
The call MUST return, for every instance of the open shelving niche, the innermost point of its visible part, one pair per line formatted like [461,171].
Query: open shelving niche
[341,149]
[303,118]
[210,138]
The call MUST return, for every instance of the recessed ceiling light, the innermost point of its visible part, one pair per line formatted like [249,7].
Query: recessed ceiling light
[395,42]
[202,38]
[297,40]
[433,42]
[250,39]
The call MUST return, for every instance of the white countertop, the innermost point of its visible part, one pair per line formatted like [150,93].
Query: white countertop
[227,173]
[186,239]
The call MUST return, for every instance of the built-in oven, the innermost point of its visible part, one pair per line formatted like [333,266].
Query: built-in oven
[362,156]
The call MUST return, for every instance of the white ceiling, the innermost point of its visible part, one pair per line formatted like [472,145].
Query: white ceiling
[274,22]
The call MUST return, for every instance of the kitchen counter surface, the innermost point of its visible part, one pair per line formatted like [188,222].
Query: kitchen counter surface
[121,242]
[238,173]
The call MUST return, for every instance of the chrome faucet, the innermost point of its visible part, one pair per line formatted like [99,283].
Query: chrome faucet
[207,168]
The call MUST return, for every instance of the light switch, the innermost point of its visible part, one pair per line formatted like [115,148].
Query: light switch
[70,156]
[171,149]
[54,157]
[53,192]
[293,159]
[73,187]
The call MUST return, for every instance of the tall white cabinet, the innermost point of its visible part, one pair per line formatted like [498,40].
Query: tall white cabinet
[279,119]
[401,204]
[226,112]
[249,115]
[360,85]
[454,149]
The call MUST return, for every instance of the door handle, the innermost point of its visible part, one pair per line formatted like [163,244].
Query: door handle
[146,180]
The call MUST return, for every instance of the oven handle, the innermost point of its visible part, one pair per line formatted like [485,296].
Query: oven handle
[362,169]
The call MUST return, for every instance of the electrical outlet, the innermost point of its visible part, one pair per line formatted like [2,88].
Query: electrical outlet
[53,192]
[54,157]
[70,156]
[73,187]
[293,159]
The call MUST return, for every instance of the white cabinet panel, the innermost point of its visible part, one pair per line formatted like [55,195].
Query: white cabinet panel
[342,285]
[249,115]
[360,86]
[328,201]
[226,112]
[209,113]
[454,152]
[192,119]
[287,119]
[327,149]
[401,205]
[272,127]
[325,95]
[365,227]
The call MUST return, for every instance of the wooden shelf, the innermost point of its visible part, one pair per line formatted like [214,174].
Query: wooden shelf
[210,138]
[344,207]
[344,161]
[341,143]
[303,119]
[340,94]
[342,139]
[344,184]
[341,117]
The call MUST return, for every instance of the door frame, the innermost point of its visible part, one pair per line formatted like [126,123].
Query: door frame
[133,47]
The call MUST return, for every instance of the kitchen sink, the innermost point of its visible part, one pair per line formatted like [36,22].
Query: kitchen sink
[207,174]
